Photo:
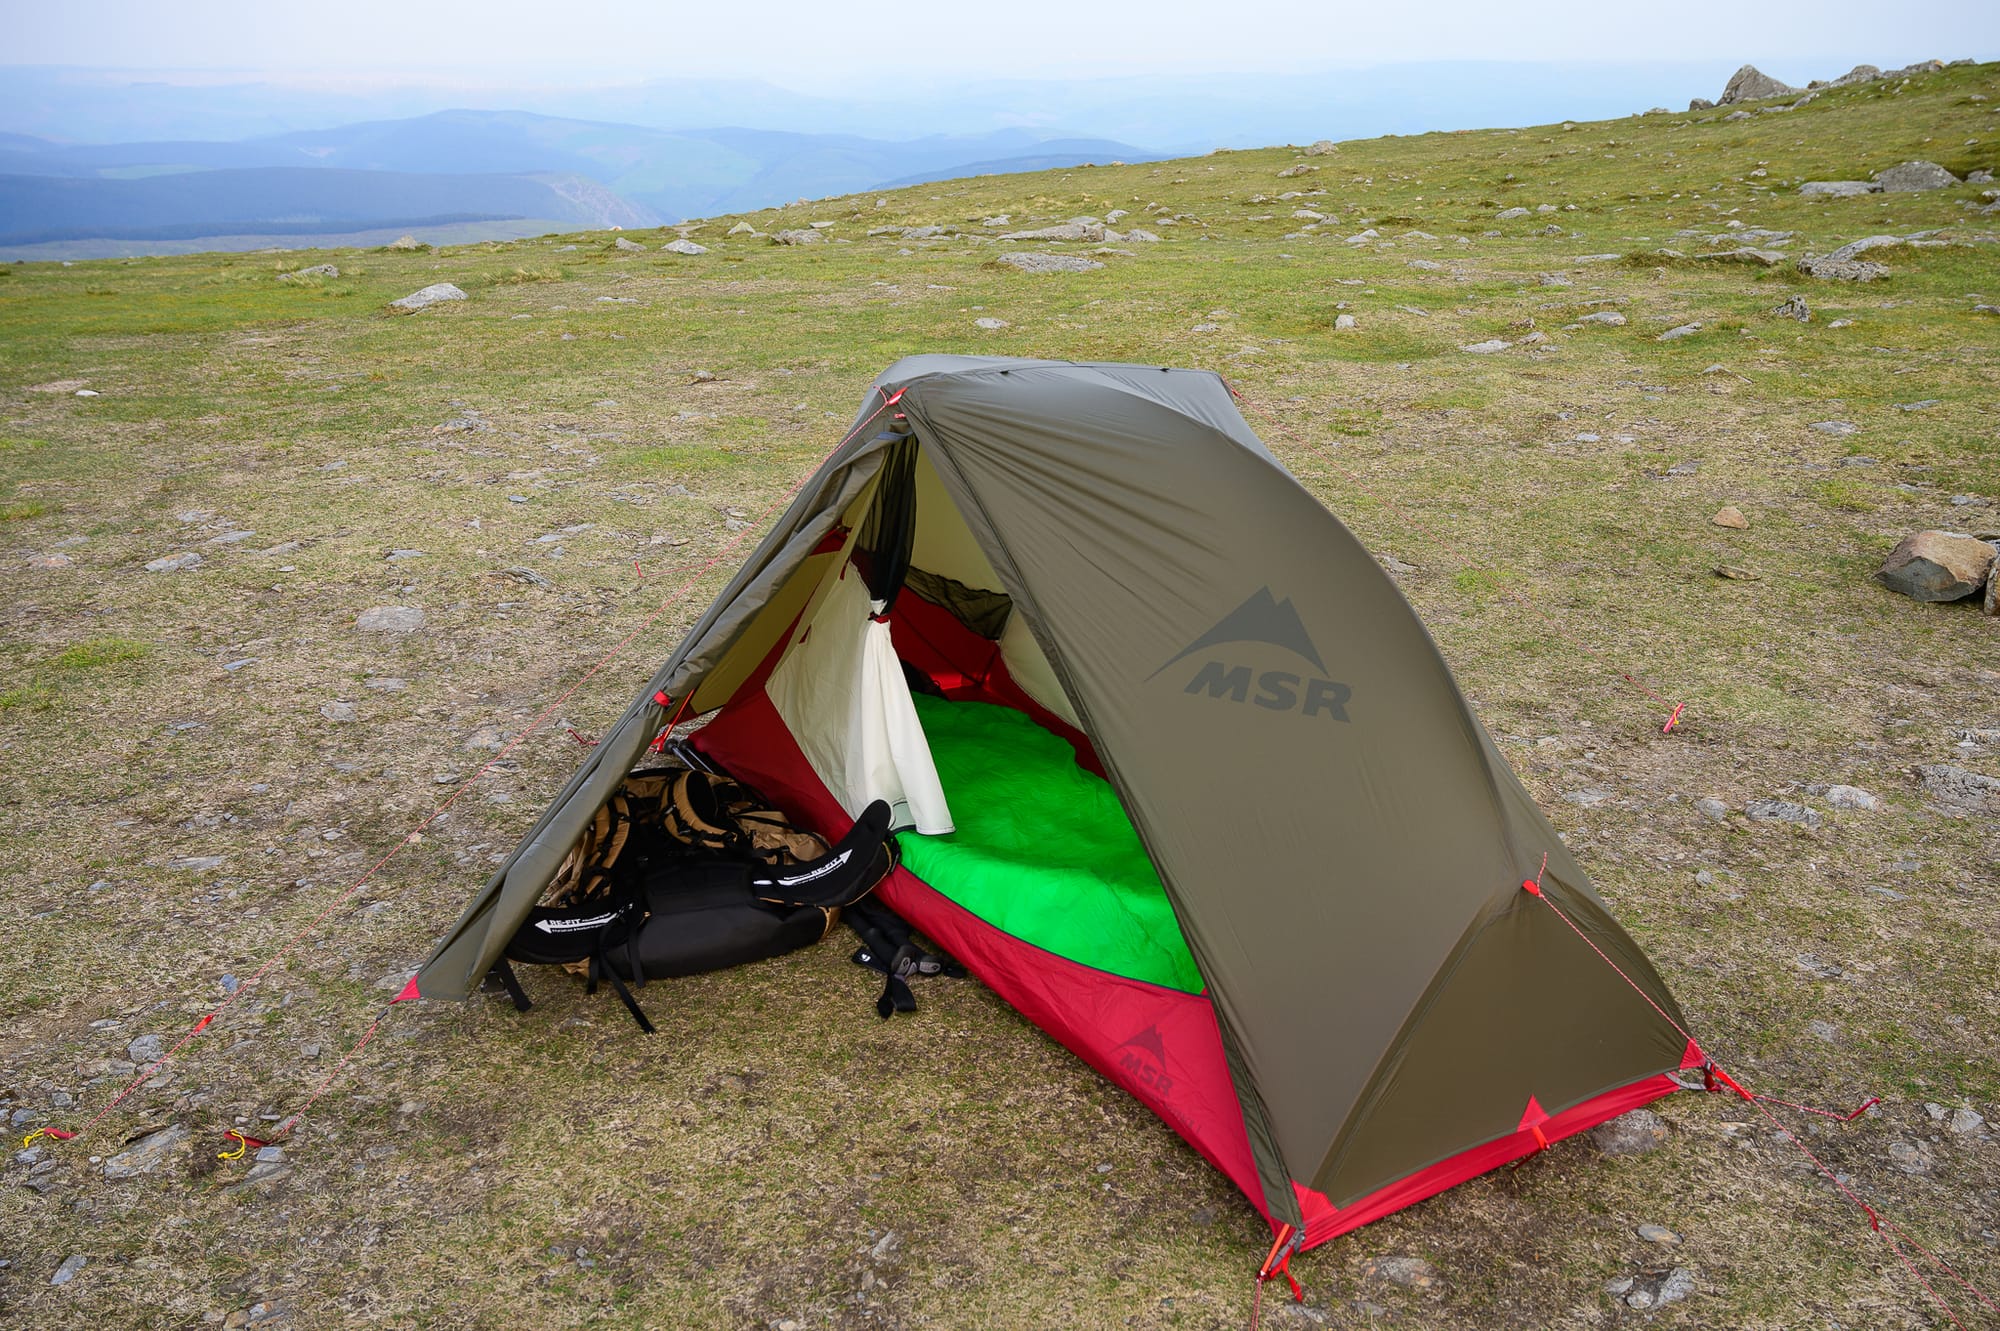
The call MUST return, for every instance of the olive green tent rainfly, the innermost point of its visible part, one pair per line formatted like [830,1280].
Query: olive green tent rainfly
[1379,1010]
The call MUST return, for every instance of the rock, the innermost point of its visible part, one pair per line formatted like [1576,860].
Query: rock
[317,270]
[339,711]
[1142,237]
[146,1049]
[430,295]
[1823,1030]
[1675,334]
[1343,323]
[1990,605]
[1072,230]
[1712,809]
[741,229]
[146,1154]
[1675,1286]
[1050,263]
[1911,177]
[1553,280]
[1486,348]
[390,619]
[489,738]
[1794,307]
[1426,265]
[1363,237]
[264,1171]
[1936,566]
[1658,1234]
[627,246]
[1959,789]
[1634,1133]
[1750,84]
[1589,797]
[1855,248]
[990,323]
[1409,1272]
[174,563]
[1298,214]
[1607,318]
[1780,811]
[1965,1122]
[1839,429]
[1852,797]
[1837,189]
[68,1270]
[797,237]
[1758,258]
[1730,516]
[1509,214]
[684,246]
[49,561]
[1322,148]
[1910,1157]
[1842,270]
[1738,115]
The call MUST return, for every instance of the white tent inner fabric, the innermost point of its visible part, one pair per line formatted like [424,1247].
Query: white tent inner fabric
[841,692]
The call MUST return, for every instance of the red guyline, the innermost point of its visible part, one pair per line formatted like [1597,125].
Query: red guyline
[1876,1220]
[415,833]
[1517,597]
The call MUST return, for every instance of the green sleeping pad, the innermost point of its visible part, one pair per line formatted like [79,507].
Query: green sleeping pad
[1043,850]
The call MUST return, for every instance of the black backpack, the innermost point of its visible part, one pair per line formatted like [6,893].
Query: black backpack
[669,915]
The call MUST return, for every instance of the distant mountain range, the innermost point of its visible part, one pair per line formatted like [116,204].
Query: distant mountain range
[457,167]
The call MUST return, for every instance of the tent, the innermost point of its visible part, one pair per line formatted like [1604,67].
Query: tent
[1187,783]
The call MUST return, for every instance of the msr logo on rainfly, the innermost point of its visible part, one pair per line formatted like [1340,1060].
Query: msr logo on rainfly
[1262,619]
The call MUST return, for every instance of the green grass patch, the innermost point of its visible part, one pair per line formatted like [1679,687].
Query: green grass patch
[94,652]
[20,510]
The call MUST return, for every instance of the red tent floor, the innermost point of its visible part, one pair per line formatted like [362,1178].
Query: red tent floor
[1161,1045]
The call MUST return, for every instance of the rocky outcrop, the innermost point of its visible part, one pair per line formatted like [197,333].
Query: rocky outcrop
[1751,84]
[1911,177]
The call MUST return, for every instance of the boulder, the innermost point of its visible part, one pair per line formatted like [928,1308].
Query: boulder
[1076,229]
[684,246]
[1937,566]
[1838,189]
[1509,214]
[1322,148]
[1730,516]
[628,246]
[797,236]
[174,563]
[1700,104]
[1959,789]
[1859,74]
[742,229]
[1842,270]
[1486,348]
[1913,176]
[430,295]
[1344,323]
[1855,248]
[1050,263]
[1794,307]
[1675,334]
[404,243]
[1608,318]
[1750,84]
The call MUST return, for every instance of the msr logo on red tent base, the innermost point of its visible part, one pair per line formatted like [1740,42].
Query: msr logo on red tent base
[1264,619]
[1143,1058]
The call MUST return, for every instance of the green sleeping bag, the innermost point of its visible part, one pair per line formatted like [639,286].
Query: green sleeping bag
[1043,850]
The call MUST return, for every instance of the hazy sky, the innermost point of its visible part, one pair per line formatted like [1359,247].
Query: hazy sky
[818,43]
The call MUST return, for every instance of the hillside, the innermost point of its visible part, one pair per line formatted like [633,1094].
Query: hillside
[199,761]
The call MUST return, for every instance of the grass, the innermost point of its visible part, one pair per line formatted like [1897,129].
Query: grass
[741,1170]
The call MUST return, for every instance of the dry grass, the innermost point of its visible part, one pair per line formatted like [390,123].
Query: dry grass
[484,1169]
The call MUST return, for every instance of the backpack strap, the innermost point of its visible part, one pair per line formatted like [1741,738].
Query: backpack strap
[503,970]
[887,949]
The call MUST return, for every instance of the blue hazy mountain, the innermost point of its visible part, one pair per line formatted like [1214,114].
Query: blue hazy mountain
[468,166]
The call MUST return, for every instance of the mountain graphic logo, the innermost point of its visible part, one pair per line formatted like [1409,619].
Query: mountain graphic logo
[1143,1058]
[1263,618]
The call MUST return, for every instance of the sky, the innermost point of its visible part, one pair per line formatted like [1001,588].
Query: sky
[820,45]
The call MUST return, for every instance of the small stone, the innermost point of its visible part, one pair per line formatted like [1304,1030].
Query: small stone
[68,1270]
[798,236]
[174,563]
[684,246]
[430,295]
[1823,1030]
[1344,323]
[146,1154]
[1050,263]
[1852,797]
[1589,797]
[1794,307]
[1780,811]
[1712,809]
[742,229]
[386,683]
[390,619]
[1658,1234]
[989,323]
[339,711]
[1486,348]
[1842,270]
[1965,1122]
[628,246]
[49,561]
[1737,573]
[145,1049]
[1677,1286]
[1607,318]
[1635,1133]
[1731,517]
[1618,1286]
[1838,429]
[1409,1272]
[1841,323]
[1675,334]
[1509,214]
[1910,1157]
